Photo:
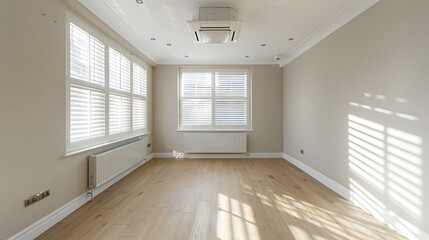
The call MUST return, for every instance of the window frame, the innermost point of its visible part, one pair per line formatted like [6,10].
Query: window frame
[213,127]
[91,143]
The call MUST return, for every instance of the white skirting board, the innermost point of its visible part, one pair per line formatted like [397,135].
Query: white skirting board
[149,157]
[219,155]
[389,218]
[37,228]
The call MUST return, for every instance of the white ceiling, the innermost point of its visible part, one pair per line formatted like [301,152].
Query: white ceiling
[270,22]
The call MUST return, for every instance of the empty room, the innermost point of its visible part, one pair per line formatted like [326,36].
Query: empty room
[214,119]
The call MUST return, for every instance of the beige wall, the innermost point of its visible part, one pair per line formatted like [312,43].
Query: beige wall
[33,113]
[266,110]
[382,52]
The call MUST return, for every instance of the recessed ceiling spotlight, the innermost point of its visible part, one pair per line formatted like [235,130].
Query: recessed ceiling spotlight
[290,39]
[153,39]
[139,1]
[246,56]
[186,56]
[169,44]
[263,45]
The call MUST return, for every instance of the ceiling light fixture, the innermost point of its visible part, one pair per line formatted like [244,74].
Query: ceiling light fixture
[186,56]
[139,1]
[169,44]
[290,39]
[246,56]
[153,39]
[277,57]
[263,45]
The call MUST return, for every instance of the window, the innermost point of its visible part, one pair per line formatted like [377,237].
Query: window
[214,99]
[106,88]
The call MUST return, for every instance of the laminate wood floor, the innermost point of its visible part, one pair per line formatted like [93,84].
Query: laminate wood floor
[219,199]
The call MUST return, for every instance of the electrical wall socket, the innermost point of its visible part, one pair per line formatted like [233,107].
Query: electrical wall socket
[37,197]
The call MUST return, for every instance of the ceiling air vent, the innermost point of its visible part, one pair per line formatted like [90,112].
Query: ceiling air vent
[214,25]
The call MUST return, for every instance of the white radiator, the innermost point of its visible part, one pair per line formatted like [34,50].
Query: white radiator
[107,165]
[215,143]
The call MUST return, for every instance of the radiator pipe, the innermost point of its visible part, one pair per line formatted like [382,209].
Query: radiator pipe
[91,192]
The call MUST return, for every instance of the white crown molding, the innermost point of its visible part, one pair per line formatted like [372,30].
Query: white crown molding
[389,218]
[349,12]
[218,61]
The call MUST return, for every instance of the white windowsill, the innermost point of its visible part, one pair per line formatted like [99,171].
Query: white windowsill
[214,130]
[71,153]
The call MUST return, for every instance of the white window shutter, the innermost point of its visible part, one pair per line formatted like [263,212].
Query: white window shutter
[139,114]
[139,80]
[217,99]
[231,98]
[79,53]
[231,112]
[197,84]
[119,114]
[86,56]
[99,112]
[231,84]
[125,74]
[196,112]
[119,71]
[196,104]
[96,61]
[87,118]
[139,100]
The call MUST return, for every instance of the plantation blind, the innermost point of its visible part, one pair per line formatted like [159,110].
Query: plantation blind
[119,94]
[119,71]
[119,113]
[106,89]
[87,118]
[139,114]
[86,56]
[231,98]
[86,96]
[214,99]
[139,80]
[231,84]
[139,97]
[196,99]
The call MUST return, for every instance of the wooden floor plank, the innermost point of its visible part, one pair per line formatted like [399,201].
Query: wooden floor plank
[219,199]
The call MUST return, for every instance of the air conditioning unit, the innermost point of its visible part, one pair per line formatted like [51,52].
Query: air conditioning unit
[214,25]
